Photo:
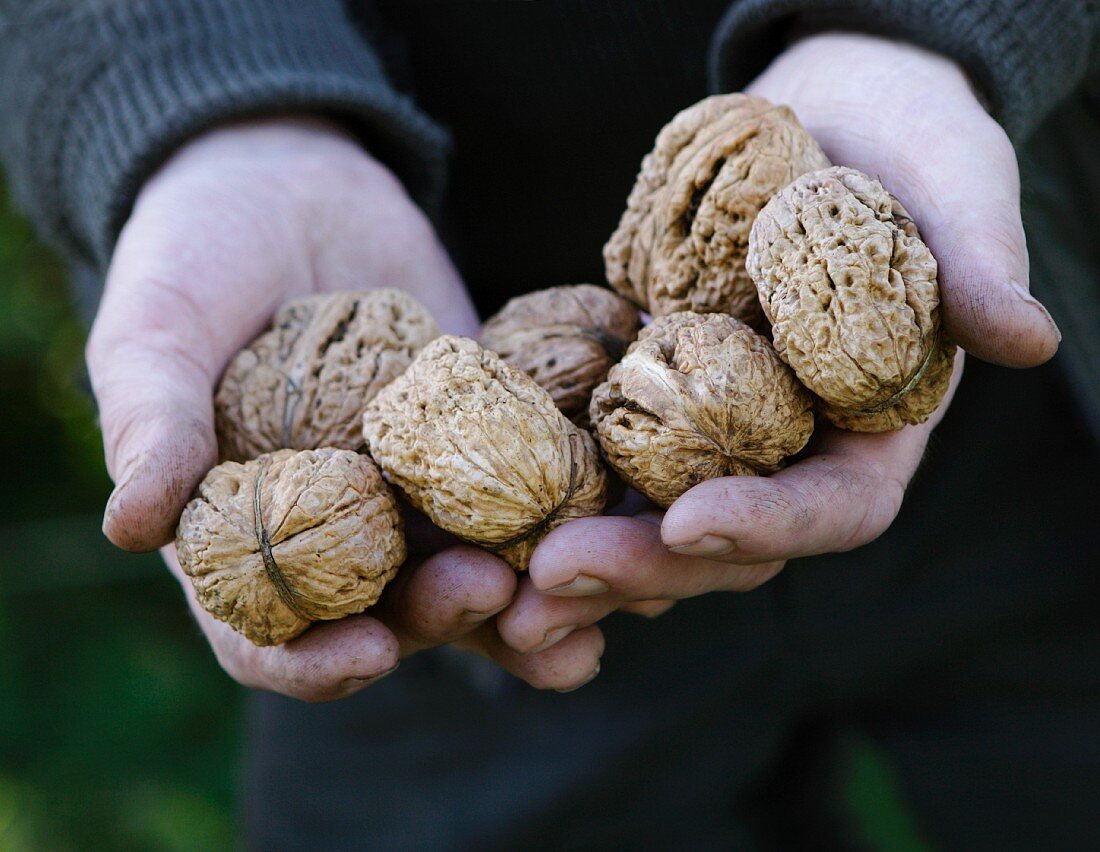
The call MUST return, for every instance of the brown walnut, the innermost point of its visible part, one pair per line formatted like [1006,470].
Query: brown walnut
[304,383]
[699,396]
[565,338]
[682,240]
[851,292]
[480,448]
[290,538]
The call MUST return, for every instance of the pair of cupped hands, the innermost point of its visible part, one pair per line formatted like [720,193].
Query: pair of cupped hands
[244,217]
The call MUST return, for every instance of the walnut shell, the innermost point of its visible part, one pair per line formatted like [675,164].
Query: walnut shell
[304,383]
[565,338]
[274,544]
[481,449]
[699,396]
[682,241]
[851,292]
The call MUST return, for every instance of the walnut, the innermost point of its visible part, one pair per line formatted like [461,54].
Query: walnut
[565,338]
[304,383]
[481,449]
[851,292]
[274,544]
[696,397]
[682,240]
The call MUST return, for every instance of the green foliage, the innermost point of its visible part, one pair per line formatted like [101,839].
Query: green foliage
[49,418]
[875,800]
[117,729]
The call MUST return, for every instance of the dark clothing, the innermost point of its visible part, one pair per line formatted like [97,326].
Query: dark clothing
[963,640]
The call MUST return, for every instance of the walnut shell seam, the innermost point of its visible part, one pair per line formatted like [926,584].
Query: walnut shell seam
[294,600]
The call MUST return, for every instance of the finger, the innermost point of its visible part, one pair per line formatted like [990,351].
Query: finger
[624,559]
[330,660]
[829,502]
[534,622]
[967,208]
[447,596]
[957,176]
[564,667]
[842,496]
[648,609]
[153,389]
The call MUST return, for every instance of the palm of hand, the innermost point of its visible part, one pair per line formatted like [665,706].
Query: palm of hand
[911,119]
[236,223]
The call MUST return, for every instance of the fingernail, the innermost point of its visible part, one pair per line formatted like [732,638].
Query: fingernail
[581,586]
[1022,292]
[116,495]
[584,682]
[474,616]
[352,684]
[710,546]
[1025,294]
[553,637]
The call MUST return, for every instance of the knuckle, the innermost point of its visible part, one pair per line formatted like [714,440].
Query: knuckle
[769,507]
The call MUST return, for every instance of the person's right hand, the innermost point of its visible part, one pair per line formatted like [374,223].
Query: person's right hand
[235,223]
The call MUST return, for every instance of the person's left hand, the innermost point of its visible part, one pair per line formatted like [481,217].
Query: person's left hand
[910,118]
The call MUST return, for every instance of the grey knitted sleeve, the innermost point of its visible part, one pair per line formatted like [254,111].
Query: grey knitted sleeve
[94,94]
[1023,55]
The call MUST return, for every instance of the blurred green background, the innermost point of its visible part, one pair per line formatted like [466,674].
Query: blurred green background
[117,729]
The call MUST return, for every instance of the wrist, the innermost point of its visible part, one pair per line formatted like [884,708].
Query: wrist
[304,155]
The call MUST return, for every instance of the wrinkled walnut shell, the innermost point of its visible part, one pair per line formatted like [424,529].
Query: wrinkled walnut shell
[565,338]
[851,292]
[481,449]
[274,544]
[304,383]
[699,396]
[682,241]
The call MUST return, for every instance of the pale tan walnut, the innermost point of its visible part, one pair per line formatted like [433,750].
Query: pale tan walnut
[699,396]
[304,383]
[851,292]
[480,448]
[290,538]
[682,241]
[565,338]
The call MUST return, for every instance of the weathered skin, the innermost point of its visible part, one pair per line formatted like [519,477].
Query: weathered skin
[682,241]
[565,338]
[482,450]
[850,290]
[304,383]
[699,396]
[334,532]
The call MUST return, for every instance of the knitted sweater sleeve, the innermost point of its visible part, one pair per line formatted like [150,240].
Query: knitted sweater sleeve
[1024,56]
[94,94]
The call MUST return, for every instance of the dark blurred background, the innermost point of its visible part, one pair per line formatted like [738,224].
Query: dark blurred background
[117,728]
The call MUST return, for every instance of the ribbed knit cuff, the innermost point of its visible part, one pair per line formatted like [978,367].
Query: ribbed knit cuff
[1024,56]
[118,86]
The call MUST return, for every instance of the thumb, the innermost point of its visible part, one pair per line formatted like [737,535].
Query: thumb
[987,307]
[964,194]
[152,373]
[911,119]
